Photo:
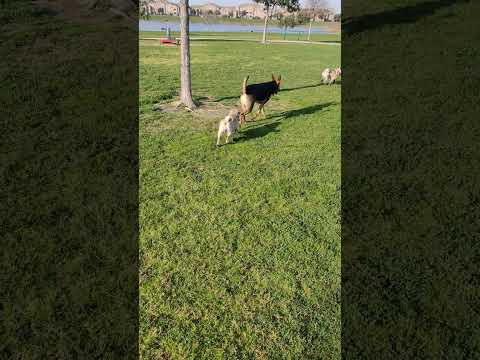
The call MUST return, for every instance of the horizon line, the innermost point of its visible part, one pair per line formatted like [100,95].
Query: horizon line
[246,2]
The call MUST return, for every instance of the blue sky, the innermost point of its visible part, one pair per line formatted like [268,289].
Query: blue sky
[335,4]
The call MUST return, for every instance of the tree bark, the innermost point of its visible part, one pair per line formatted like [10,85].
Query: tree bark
[264,39]
[185,75]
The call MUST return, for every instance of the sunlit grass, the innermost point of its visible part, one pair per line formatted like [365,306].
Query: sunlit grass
[240,245]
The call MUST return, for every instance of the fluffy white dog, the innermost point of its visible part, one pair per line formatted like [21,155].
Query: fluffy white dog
[329,76]
[228,126]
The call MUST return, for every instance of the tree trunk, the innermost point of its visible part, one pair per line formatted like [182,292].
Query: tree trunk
[310,29]
[185,76]
[264,40]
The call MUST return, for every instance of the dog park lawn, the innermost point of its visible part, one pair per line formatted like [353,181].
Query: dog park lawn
[240,245]
[292,36]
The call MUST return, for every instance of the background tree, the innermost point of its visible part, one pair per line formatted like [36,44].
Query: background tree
[301,19]
[315,9]
[269,6]
[185,75]
[291,21]
[286,22]
[145,9]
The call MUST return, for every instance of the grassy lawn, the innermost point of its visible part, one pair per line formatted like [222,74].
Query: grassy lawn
[240,245]
[249,35]
[408,151]
[68,149]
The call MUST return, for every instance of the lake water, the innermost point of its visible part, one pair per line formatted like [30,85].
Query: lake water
[154,25]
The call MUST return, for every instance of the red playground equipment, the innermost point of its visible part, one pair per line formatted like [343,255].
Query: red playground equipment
[169,40]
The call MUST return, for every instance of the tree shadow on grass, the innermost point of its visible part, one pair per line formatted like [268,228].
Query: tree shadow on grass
[404,15]
[301,87]
[281,90]
[260,130]
[303,111]
[338,82]
[253,132]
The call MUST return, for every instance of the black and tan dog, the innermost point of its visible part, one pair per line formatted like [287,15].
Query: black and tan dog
[257,93]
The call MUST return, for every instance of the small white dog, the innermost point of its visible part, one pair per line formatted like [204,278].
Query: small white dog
[329,76]
[229,125]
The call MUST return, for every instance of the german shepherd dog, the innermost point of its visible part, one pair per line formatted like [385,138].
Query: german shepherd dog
[257,93]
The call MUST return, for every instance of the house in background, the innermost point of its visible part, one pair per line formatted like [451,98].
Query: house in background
[319,14]
[206,9]
[279,12]
[163,7]
[246,10]
[229,11]
[329,17]
[251,11]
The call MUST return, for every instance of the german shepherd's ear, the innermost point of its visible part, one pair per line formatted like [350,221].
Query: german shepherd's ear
[278,81]
[273,78]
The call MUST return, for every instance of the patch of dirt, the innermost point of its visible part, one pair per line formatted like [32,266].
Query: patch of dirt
[207,109]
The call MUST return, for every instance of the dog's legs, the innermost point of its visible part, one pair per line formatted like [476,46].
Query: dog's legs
[256,114]
[229,139]
[261,110]
[243,119]
[246,104]
[219,135]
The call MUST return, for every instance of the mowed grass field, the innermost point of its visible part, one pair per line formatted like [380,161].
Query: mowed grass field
[248,36]
[408,150]
[240,245]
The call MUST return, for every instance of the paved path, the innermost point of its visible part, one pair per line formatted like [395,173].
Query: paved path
[254,40]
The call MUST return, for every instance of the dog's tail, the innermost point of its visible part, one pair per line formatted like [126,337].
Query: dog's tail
[244,87]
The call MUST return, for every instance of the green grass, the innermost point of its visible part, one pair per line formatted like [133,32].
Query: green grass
[240,245]
[409,144]
[248,35]
[68,268]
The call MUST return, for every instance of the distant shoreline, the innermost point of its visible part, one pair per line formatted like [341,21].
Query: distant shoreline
[333,27]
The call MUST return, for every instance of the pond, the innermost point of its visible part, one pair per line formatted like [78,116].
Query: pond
[153,25]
